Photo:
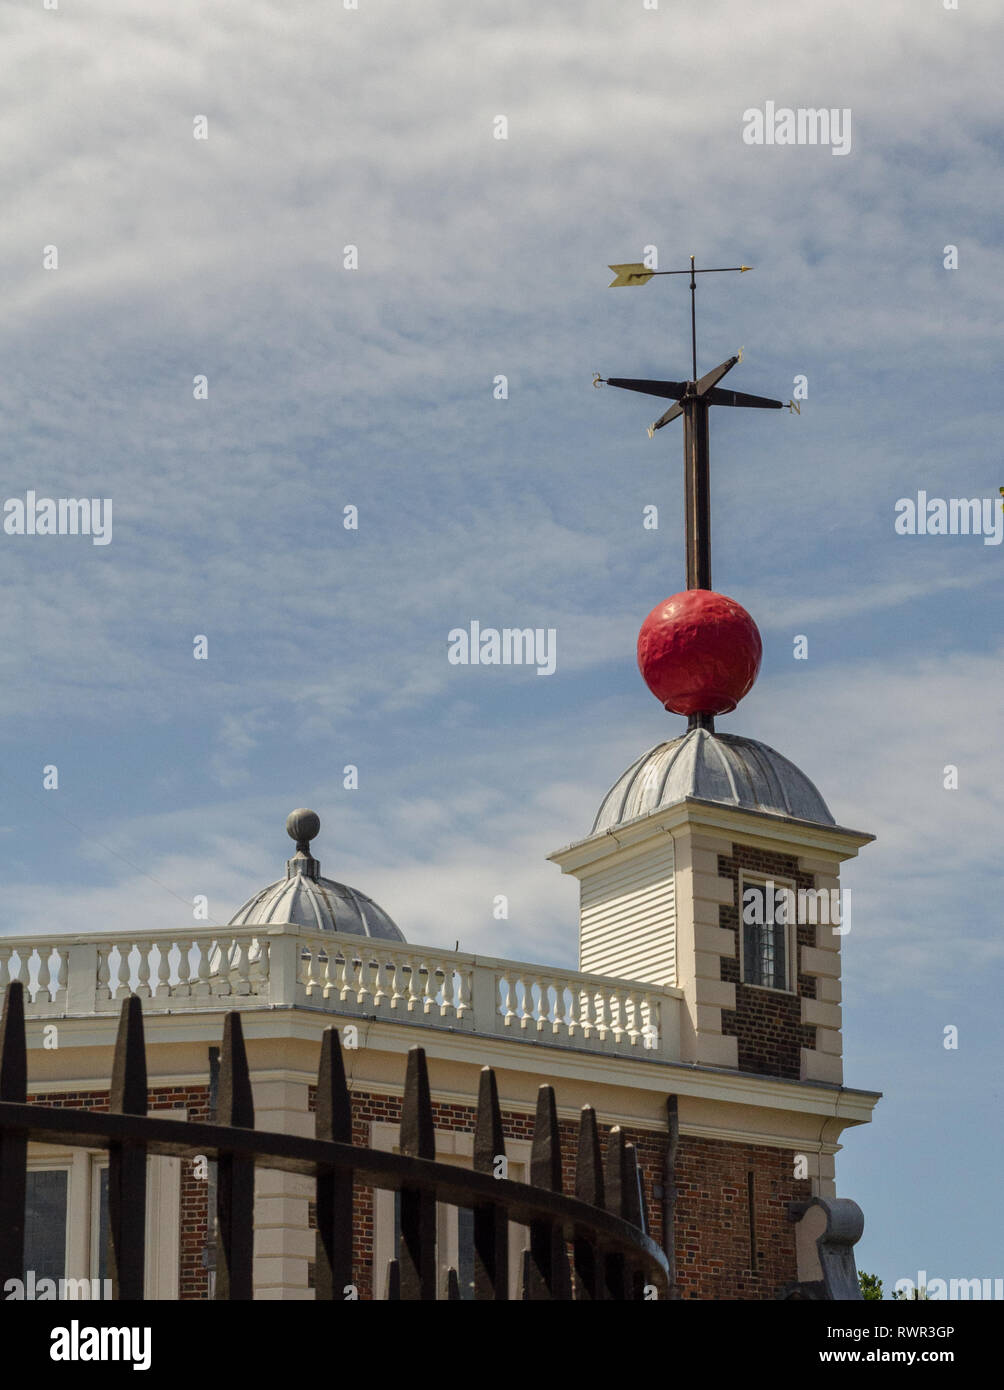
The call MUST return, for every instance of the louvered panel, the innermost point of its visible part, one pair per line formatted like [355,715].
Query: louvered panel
[628,920]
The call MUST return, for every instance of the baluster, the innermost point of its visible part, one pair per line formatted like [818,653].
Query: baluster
[510,1004]
[585,1013]
[447,1008]
[61,976]
[162,989]
[242,985]
[327,975]
[602,1015]
[224,952]
[202,987]
[376,969]
[544,1012]
[616,1005]
[414,984]
[305,973]
[463,990]
[260,974]
[42,995]
[103,990]
[5,976]
[544,1007]
[23,957]
[143,973]
[630,1018]
[122,990]
[183,988]
[343,978]
[525,1010]
[397,984]
[363,991]
[429,991]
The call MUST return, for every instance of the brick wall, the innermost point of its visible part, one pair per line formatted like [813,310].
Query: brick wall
[193,1278]
[766,1023]
[718,1257]
[712,1228]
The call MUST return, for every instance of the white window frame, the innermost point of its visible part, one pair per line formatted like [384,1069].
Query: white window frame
[83,1207]
[757,880]
[452,1146]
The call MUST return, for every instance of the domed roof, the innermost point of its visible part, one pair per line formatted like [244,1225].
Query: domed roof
[305,899]
[712,767]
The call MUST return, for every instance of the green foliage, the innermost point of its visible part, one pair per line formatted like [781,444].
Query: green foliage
[871,1285]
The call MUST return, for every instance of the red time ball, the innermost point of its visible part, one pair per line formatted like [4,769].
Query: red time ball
[699,652]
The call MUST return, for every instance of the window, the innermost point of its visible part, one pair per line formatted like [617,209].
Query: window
[45,1213]
[767,933]
[454,1225]
[66,1213]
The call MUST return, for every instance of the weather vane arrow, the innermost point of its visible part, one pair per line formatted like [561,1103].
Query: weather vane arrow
[694,399]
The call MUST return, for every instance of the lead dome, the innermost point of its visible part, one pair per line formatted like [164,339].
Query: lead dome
[709,766]
[305,899]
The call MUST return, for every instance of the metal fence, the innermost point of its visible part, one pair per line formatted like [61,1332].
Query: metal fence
[593,1245]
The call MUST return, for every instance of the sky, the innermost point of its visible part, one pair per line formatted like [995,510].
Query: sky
[374,387]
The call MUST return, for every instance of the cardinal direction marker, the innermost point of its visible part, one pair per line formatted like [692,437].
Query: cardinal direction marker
[693,399]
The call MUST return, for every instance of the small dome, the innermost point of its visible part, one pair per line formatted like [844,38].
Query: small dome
[305,899]
[712,767]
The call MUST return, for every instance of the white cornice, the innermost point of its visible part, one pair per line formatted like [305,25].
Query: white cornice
[473,1049]
[753,826]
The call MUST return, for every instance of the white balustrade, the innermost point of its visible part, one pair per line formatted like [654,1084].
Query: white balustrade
[287,966]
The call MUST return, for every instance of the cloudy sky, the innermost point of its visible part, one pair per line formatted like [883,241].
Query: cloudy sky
[328,388]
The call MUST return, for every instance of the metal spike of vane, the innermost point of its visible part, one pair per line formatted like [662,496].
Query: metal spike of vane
[693,398]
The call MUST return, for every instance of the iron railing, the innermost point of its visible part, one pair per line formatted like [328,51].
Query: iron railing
[593,1245]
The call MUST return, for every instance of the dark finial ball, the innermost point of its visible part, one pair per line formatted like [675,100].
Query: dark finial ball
[302,826]
[699,652]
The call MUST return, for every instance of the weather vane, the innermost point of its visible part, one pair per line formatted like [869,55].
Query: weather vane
[693,399]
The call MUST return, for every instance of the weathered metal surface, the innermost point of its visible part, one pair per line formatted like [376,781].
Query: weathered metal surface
[586,1260]
[417,1253]
[548,1276]
[491,1225]
[712,767]
[333,1270]
[13,1143]
[617,1180]
[306,899]
[235,1174]
[127,1160]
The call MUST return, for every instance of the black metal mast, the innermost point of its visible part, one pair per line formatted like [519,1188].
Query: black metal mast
[694,399]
